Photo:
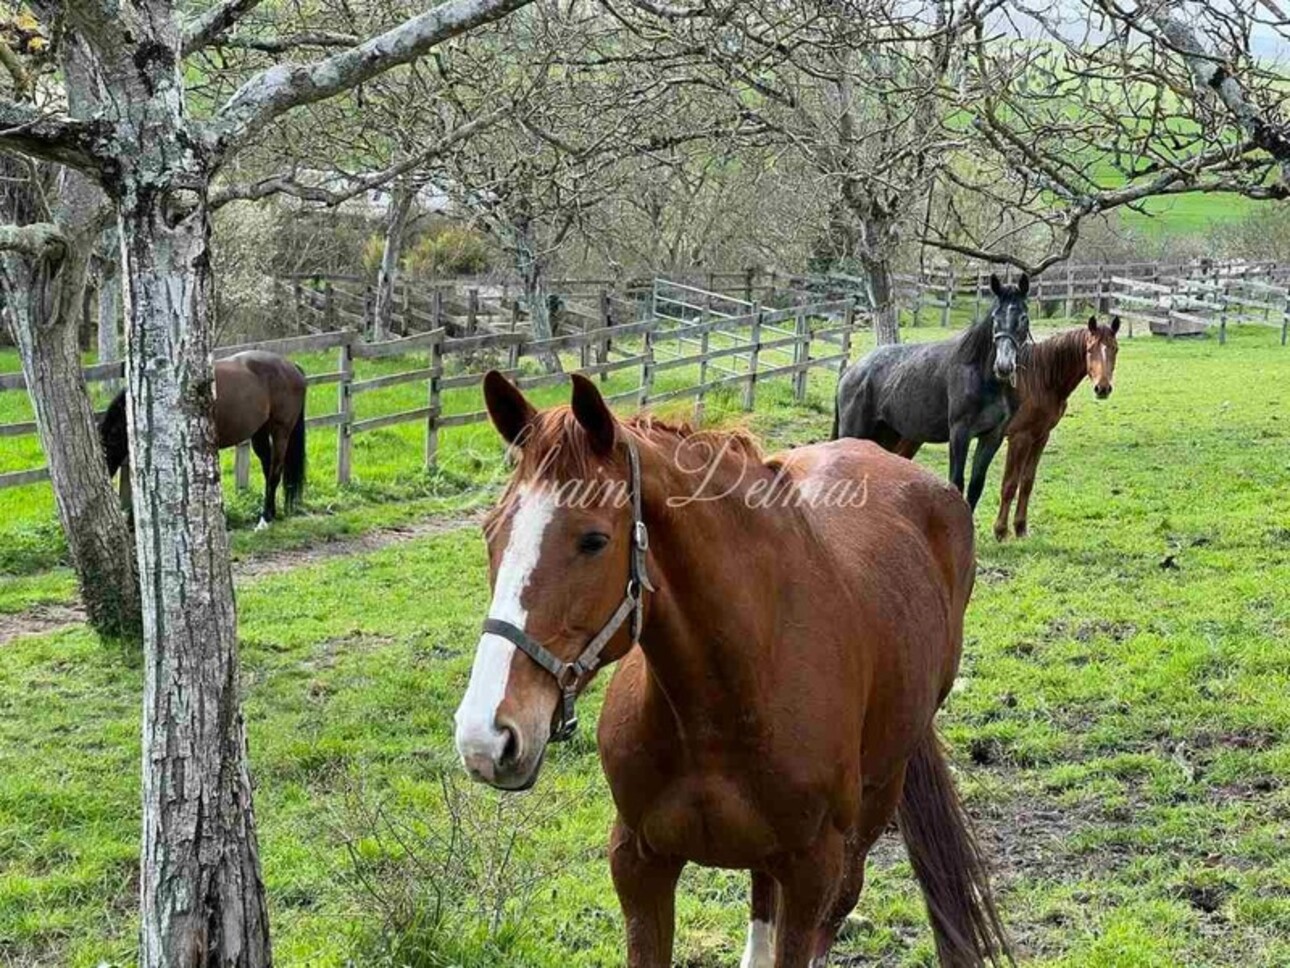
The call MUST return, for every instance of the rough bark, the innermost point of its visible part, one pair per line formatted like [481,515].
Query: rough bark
[532,272]
[109,303]
[882,299]
[43,277]
[395,226]
[43,301]
[202,897]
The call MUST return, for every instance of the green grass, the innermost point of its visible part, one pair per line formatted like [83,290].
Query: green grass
[1121,729]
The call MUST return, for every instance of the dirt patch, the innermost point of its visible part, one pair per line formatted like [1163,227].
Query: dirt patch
[289,560]
[52,618]
[38,620]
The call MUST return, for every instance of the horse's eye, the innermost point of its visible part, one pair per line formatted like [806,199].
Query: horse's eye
[593,542]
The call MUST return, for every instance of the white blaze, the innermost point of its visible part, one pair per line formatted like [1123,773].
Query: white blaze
[759,952]
[477,731]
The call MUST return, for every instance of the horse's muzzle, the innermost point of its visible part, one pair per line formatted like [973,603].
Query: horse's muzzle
[1102,392]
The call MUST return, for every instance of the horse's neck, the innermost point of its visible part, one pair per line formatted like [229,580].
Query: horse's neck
[713,560]
[1059,363]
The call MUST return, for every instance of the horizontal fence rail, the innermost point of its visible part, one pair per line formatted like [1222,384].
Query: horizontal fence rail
[729,343]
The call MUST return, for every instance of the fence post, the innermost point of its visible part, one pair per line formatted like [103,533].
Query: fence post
[472,311]
[604,324]
[849,323]
[242,466]
[704,344]
[436,308]
[750,388]
[801,356]
[949,300]
[434,402]
[344,441]
[329,305]
[1285,319]
[584,348]
[298,294]
[647,367]
[1100,298]
[749,275]
[1222,312]
[513,351]
[369,311]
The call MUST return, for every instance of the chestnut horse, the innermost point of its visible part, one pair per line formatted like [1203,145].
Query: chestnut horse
[1049,373]
[258,396]
[798,622]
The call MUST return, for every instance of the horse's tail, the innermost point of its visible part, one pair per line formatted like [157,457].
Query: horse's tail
[948,864]
[293,472]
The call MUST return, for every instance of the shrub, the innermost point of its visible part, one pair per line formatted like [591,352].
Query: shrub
[453,250]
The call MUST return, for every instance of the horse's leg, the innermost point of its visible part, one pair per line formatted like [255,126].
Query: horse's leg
[646,886]
[1028,483]
[808,885]
[1018,445]
[987,445]
[759,949]
[907,448]
[876,810]
[960,438]
[263,447]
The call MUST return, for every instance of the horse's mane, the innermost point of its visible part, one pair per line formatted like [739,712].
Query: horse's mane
[976,344]
[1054,363]
[556,446]
[115,412]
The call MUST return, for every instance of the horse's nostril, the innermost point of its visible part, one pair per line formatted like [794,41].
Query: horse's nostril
[510,746]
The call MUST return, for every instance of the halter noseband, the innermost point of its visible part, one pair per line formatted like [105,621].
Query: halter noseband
[568,675]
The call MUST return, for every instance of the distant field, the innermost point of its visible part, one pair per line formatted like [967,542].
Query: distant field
[1121,727]
[1188,214]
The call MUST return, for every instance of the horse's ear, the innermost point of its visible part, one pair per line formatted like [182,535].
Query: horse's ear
[1092,325]
[996,286]
[1023,285]
[1115,324]
[507,407]
[591,411]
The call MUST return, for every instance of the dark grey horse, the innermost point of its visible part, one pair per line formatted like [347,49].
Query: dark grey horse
[908,395]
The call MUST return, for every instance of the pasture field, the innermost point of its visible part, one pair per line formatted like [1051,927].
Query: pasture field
[1121,727]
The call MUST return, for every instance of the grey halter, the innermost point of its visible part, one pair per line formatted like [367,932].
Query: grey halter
[569,675]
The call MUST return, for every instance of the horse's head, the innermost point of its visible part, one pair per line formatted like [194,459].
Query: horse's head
[1100,349]
[1010,325]
[113,436]
[566,564]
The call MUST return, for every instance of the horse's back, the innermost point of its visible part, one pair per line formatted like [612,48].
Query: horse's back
[251,388]
[901,387]
[900,541]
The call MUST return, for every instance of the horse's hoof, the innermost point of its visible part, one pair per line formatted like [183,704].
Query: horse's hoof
[1000,533]
[262,525]
[1021,530]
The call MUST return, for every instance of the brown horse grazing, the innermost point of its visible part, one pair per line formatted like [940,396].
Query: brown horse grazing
[799,621]
[258,397]
[1049,372]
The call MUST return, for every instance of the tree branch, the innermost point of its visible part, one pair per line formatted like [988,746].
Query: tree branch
[34,240]
[205,29]
[68,141]
[286,185]
[279,89]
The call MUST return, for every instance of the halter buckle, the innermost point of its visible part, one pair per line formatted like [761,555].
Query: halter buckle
[641,536]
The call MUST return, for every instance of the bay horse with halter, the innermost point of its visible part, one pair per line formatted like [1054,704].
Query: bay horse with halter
[259,397]
[910,394]
[1048,374]
[784,632]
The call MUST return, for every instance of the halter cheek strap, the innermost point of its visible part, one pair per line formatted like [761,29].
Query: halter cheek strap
[569,676]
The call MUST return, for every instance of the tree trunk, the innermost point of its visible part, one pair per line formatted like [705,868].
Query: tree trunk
[109,348]
[882,300]
[43,294]
[396,224]
[533,277]
[202,897]
[44,307]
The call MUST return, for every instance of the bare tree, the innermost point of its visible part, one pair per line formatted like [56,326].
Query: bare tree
[134,137]
[1076,110]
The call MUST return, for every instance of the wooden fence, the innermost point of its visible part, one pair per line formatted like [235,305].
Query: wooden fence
[744,349]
